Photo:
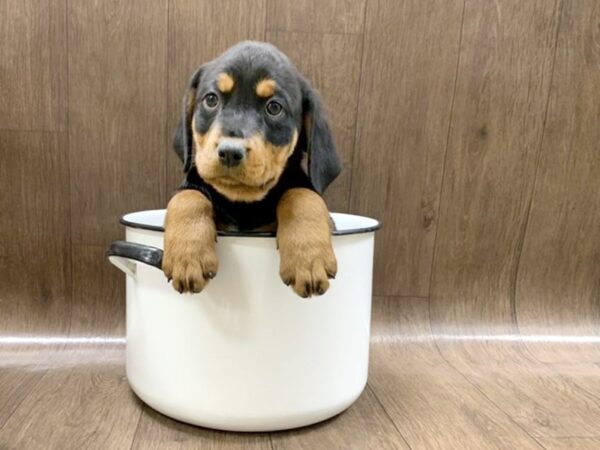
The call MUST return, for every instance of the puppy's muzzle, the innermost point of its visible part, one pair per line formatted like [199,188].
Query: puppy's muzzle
[231,154]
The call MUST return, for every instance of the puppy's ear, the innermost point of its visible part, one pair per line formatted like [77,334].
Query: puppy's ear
[183,142]
[323,161]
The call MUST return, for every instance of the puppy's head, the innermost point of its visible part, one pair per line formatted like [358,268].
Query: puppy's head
[244,114]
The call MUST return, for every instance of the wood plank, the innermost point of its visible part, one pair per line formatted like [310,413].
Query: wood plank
[557,286]
[544,400]
[33,65]
[35,261]
[82,407]
[331,62]
[431,404]
[582,374]
[572,443]
[159,432]
[199,32]
[364,425]
[117,110]
[409,68]
[98,293]
[310,16]
[501,97]
[15,384]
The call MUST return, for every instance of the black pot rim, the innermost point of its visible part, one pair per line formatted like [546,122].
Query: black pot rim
[142,226]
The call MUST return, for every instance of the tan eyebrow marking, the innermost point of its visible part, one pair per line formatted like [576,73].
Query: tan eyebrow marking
[225,82]
[265,88]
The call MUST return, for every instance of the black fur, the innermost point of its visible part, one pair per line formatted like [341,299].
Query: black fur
[323,161]
[242,114]
[183,142]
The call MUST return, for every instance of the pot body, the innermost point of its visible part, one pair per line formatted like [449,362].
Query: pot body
[247,354]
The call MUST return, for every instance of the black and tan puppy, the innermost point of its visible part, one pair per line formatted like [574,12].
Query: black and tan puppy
[249,120]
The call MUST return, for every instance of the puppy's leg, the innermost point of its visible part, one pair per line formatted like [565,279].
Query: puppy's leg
[304,239]
[189,256]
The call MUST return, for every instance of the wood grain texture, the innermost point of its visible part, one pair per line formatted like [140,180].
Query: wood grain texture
[15,384]
[364,425]
[460,398]
[408,72]
[469,127]
[117,113]
[331,62]
[528,391]
[73,409]
[431,404]
[199,32]
[314,16]
[557,285]
[495,137]
[495,141]
[574,443]
[158,432]
[33,65]
[35,250]
[98,294]
[581,374]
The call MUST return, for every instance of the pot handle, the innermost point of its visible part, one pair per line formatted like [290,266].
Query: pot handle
[124,255]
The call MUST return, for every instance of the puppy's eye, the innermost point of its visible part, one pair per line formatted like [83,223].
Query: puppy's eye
[274,108]
[210,101]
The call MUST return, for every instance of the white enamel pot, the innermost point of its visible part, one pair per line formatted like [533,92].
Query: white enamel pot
[246,354]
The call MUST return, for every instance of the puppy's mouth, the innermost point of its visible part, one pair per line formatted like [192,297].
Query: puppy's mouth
[232,181]
[237,190]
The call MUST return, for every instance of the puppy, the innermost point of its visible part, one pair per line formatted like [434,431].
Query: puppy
[250,123]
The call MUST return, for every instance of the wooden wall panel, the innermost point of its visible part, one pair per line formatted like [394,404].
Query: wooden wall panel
[331,62]
[35,250]
[117,113]
[440,125]
[500,104]
[557,290]
[98,294]
[409,68]
[316,16]
[33,58]
[199,32]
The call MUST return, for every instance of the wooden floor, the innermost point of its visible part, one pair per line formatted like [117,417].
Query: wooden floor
[426,390]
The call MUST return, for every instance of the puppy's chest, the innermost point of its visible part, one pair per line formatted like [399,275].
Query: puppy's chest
[242,216]
[257,216]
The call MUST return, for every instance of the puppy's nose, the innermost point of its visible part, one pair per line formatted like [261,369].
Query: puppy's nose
[230,154]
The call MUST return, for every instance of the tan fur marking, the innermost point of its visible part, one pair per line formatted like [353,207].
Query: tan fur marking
[225,83]
[306,254]
[265,88]
[189,252]
[199,138]
[260,171]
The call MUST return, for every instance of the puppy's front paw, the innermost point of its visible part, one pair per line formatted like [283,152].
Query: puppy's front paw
[307,266]
[190,264]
